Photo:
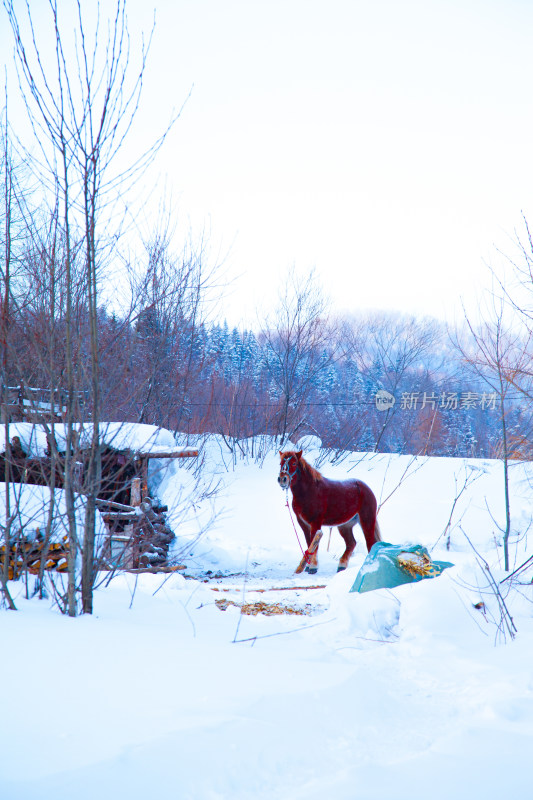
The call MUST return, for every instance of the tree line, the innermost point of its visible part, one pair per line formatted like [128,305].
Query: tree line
[163,363]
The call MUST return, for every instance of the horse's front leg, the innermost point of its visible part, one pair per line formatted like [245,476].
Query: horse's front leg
[312,564]
[312,558]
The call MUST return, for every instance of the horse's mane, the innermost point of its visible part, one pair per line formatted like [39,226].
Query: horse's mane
[306,467]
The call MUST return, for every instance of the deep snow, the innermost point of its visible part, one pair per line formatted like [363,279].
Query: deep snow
[403,693]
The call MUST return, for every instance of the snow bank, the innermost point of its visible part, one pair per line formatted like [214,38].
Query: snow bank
[399,693]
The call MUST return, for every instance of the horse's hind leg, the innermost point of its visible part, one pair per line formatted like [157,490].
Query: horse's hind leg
[346,531]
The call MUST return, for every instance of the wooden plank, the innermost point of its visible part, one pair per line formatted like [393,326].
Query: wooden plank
[114,505]
[174,454]
[118,515]
[270,589]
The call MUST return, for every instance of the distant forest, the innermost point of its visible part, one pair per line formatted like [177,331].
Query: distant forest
[166,368]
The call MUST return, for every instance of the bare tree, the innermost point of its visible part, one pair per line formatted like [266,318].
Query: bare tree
[295,337]
[389,348]
[497,353]
[5,309]
[81,110]
[518,296]
[171,295]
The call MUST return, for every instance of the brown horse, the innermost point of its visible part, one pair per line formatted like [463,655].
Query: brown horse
[318,501]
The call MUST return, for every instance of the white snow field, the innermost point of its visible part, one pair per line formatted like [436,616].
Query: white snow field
[405,693]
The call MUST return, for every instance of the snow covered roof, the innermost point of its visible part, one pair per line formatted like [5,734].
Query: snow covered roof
[142,439]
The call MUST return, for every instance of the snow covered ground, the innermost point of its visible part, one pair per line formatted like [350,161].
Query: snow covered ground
[403,693]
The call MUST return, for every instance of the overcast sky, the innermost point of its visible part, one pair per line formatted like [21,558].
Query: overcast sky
[386,143]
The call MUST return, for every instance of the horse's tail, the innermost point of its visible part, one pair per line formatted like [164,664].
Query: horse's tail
[377,532]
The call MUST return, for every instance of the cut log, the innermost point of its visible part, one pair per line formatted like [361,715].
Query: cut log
[309,552]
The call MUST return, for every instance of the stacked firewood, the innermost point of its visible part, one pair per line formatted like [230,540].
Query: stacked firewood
[143,531]
[30,554]
[155,535]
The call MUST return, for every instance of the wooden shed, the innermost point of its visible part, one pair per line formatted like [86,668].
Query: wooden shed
[138,533]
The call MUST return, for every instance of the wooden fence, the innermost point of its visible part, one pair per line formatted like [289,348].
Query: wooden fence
[34,404]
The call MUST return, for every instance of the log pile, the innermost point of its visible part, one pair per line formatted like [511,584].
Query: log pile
[156,535]
[141,531]
[145,539]
[28,554]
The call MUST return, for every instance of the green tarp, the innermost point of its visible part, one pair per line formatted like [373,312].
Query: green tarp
[388,565]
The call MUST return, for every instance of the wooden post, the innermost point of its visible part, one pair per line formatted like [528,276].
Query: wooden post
[144,468]
[77,475]
[135,492]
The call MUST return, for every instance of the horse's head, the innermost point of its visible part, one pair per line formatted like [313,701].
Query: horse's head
[290,464]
